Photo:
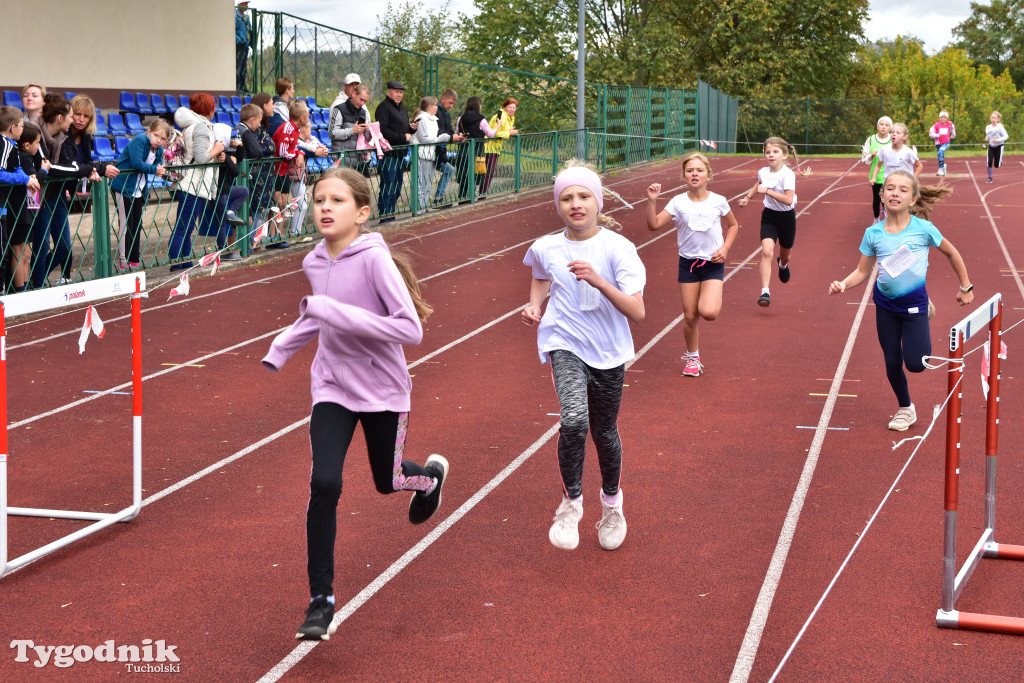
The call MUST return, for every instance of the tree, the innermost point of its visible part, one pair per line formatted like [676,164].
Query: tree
[994,35]
[415,34]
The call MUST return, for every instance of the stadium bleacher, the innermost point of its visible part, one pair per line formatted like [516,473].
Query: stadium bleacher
[115,125]
[12,99]
[101,149]
[134,122]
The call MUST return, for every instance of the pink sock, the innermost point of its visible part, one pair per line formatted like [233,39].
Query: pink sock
[611,500]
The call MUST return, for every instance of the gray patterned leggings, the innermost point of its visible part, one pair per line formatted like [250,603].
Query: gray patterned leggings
[589,400]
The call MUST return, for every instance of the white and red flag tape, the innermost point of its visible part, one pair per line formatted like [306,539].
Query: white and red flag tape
[93,323]
[181,289]
[985,361]
[213,258]
[709,143]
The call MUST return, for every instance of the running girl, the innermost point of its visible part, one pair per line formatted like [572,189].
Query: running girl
[900,244]
[365,304]
[942,133]
[898,155]
[995,136]
[698,217]
[869,155]
[778,218]
[595,280]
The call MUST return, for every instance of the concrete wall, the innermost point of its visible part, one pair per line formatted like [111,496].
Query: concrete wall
[137,45]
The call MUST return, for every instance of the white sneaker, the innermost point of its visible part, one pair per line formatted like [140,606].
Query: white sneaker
[565,532]
[611,530]
[903,418]
[63,281]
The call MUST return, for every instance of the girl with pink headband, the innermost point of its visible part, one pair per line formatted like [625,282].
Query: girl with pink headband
[593,281]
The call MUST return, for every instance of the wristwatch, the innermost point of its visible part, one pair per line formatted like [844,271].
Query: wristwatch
[968,288]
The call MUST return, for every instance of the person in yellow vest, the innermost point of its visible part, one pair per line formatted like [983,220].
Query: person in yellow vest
[504,125]
[869,155]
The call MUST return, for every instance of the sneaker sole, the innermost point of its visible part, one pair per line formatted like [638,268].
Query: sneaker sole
[764,303]
[563,547]
[323,636]
[898,428]
[619,544]
[443,462]
[691,374]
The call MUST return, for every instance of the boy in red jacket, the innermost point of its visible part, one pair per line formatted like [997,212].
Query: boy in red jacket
[286,142]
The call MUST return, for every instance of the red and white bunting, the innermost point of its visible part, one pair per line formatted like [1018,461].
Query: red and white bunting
[93,323]
[213,258]
[260,233]
[181,289]
[709,143]
[985,364]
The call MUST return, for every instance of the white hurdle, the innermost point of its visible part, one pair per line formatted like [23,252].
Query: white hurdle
[53,298]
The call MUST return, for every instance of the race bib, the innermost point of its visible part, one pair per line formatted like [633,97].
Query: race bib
[699,223]
[898,261]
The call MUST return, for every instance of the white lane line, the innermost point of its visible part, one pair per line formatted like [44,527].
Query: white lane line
[995,231]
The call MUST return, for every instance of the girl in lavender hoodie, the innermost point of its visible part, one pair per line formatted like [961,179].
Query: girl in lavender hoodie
[365,304]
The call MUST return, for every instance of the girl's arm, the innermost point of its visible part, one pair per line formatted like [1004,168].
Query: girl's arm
[750,194]
[286,344]
[655,221]
[918,167]
[854,279]
[486,129]
[732,228]
[539,290]
[957,262]
[866,157]
[137,157]
[781,197]
[629,305]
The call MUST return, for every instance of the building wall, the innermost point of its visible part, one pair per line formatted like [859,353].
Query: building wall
[114,45]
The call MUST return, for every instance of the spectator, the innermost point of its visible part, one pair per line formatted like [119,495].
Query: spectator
[427,136]
[83,125]
[131,194]
[395,127]
[292,166]
[220,216]
[444,125]
[504,125]
[261,173]
[310,146]
[285,93]
[349,120]
[65,173]
[473,126]
[198,184]
[32,102]
[352,81]
[13,197]
[242,31]
[28,156]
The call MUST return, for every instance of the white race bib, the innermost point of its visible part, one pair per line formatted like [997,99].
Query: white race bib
[898,261]
[699,223]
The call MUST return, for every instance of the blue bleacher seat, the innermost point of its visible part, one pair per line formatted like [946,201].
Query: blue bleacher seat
[157,102]
[172,103]
[115,125]
[134,123]
[101,125]
[12,99]
[70,95]
[142,102]
[311,101]
[222,117]
[236,103]
[324,137]
[236,118]
[224,103]
[247,99]
[128,102]
[120,143]
[102,151]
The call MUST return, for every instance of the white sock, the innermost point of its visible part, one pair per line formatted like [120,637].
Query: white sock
[693,354]
[764,290]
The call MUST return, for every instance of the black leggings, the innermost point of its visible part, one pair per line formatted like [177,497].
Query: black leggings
[905,339]
[330,432]
[876,199]
[589,399]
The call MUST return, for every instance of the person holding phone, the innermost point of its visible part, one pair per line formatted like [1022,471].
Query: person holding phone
[349,120]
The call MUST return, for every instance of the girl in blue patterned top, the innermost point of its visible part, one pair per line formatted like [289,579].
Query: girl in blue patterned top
[900,244]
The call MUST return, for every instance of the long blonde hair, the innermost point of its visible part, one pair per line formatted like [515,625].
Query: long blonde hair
[363,196]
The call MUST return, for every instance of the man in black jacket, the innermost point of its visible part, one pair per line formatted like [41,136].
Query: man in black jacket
[396,129]
[444,125]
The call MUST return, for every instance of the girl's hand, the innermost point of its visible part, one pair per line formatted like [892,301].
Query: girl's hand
[653,191]
[221,156]
[719,255]
[111,171]
[743,201]
[94,177]
[762,189]
[160,171]
[321,151]
[836,287]
[583,271]
[531,315]
[964,298]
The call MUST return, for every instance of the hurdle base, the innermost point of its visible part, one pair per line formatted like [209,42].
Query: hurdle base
[1004,551]
[969,621]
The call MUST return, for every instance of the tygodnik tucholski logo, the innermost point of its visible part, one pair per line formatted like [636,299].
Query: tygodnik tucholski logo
[149,657]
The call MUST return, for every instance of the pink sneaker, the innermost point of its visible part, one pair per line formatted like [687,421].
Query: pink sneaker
[693,367]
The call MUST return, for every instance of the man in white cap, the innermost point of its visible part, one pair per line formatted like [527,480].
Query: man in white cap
[348,89]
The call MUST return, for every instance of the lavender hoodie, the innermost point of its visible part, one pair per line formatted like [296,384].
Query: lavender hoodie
[362,312]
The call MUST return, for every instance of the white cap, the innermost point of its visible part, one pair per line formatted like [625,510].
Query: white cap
[352,78]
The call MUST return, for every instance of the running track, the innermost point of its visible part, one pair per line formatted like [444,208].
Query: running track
[746,489]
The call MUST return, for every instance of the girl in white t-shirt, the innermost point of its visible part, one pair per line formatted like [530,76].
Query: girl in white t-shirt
[702,245]
[778,218]
[899,156]
[995,136]
[593,281]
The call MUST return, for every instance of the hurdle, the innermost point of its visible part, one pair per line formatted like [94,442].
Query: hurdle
[44,300]
[989,315]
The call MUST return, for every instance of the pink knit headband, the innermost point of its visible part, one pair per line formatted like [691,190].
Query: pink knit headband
[579,175]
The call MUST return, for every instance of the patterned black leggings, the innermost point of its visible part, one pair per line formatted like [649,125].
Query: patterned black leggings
[589,400]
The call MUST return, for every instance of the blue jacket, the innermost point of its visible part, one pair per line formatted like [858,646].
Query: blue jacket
[133,158]
[241,28]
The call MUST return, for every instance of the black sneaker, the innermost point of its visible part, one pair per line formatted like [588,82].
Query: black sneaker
[783,271]
[278,245]
[423,506]
[318,624]
[765,300]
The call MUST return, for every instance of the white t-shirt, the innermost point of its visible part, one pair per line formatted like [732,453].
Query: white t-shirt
[784,180]
[699,224]
[902,159]
[599,337]
[141,184]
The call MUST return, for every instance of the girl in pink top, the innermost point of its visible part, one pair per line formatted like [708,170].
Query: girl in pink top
[942,132]
[365,305]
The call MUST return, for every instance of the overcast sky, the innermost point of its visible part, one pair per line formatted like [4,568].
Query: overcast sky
[930,20]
